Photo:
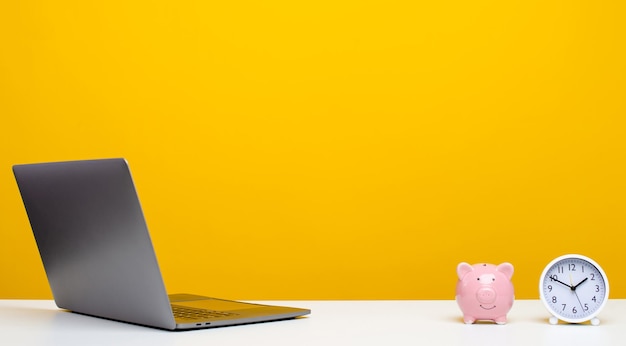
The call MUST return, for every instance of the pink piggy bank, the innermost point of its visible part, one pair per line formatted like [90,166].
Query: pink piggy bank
[484,291]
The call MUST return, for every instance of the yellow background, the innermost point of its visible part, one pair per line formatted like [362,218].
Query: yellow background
[328,149]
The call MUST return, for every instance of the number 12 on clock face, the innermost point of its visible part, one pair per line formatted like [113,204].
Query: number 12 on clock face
[574,289]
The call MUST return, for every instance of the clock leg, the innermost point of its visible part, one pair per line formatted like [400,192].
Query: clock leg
[595,321]
[553,320]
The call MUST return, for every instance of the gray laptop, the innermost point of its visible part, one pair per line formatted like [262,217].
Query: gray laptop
[98,256]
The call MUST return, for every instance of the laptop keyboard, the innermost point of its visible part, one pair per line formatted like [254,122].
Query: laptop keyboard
[185,312]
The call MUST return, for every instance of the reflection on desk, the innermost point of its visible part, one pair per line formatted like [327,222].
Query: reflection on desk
[415,322]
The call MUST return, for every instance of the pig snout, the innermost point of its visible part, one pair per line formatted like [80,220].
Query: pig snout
[486,295]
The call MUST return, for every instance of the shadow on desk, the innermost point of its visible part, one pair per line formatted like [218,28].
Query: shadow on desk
[63,319]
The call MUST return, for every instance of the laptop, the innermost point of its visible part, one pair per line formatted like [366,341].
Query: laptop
[98,256]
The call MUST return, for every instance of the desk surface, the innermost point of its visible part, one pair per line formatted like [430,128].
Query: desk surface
[39,322]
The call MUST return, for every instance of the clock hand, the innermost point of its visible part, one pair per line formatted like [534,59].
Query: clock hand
[573,288]
[561,282]
[578,284]
[576,294]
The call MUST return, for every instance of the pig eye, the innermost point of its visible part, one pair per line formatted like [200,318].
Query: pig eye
[477,279]
[494,279]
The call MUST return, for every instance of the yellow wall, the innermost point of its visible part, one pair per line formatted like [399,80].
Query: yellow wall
[328,149]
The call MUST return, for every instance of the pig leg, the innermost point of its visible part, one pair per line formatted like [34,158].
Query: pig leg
[501,320]
[468,319]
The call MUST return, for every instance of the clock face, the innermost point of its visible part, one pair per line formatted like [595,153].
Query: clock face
[574,288]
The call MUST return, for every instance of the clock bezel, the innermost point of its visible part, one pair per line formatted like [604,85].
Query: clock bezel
[556,314]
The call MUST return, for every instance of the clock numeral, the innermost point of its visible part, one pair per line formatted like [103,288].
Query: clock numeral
[554,299]
[564,305]
[572,267]
[582,268]
[560,269]
[594,299]
[593,277]
[549,288]
[574,310]
[597,288]
[554,278]
[586,307]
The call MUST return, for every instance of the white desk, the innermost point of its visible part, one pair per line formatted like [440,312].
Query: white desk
[39,322]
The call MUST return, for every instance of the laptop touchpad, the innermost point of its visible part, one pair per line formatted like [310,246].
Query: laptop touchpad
[217,304]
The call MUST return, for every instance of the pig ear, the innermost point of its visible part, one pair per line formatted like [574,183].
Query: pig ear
[462,269]
[506,268]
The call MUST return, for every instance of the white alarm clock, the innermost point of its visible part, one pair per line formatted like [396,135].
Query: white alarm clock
[574,289]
